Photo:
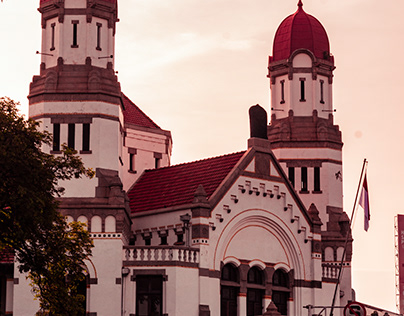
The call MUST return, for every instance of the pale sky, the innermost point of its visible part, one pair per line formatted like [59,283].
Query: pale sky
[196,66]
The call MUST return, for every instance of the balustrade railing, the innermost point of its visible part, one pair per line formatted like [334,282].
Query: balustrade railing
[160,254]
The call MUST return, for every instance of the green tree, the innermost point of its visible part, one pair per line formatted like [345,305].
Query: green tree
[30,222]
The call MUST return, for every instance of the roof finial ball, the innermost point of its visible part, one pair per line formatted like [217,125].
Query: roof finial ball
[300,4]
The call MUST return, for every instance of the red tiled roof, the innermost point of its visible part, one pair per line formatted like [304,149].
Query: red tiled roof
[134,115]
[300,30]
[6,256]
[176,185]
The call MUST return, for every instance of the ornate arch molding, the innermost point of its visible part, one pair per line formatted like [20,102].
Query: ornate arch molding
[271,223]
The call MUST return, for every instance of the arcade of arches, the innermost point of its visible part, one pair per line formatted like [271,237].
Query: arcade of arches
[256,285]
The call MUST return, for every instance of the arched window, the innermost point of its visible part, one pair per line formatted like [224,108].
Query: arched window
[229,289]
[255,291]
[110,224]
[96,224]
[280,291]
[84,220]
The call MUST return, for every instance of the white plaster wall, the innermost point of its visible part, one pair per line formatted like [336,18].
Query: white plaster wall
[292,92]
[180,291]
[107,261]
[331,187]
[280,109]
[80,107]
[154,223]
[24,302]
[9,296]
[86,40]
[105,139]
[75,3]
[146,144]
[255,219]
[302,60]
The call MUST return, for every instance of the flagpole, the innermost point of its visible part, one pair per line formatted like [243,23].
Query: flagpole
[347,238]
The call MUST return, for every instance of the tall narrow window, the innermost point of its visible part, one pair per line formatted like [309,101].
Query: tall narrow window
[255,292]
[132,162]
[53,25]
[280,291]
[75,28]
[317,179]
[291,171]
[86,137]
[229,289]
[56,137]
[157,160]
[304,187]
[282,91]
[71,136]
[99,25]
[322,91]
[132,153]
[302,90]
[149,295]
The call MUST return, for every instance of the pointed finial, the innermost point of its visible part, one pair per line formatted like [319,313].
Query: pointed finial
[300,4]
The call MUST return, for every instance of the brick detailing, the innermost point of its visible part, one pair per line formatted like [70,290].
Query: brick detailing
[75,83]
[304,132]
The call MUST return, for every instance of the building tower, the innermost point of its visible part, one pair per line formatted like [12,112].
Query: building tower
[77,95]
[302,132]
[78,98]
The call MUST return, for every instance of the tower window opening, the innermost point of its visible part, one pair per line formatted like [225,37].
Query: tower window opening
[53,25]
[317,179]
[56,137]
[282,91]
[86,137]
[157,160]
[322,91]
[75,27]
[304,187]
[302,90]
[291,174]
[99,25]
[71,135]
[131,162]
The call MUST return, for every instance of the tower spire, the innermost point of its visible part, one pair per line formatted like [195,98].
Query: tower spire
[300,4]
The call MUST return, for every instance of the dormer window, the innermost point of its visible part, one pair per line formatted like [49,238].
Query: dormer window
[75,27]
[99,25]
[302,90]
[282,91]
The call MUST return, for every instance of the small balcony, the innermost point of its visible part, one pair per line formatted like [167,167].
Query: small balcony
[160,256]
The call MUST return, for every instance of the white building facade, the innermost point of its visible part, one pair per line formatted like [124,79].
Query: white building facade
[255,232]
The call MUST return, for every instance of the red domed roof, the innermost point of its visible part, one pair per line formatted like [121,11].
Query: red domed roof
[300,30]
[110,1]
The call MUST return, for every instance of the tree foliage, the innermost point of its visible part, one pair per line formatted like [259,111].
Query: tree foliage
[52,251]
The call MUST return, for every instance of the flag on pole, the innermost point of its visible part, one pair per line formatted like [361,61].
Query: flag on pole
[364,202]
